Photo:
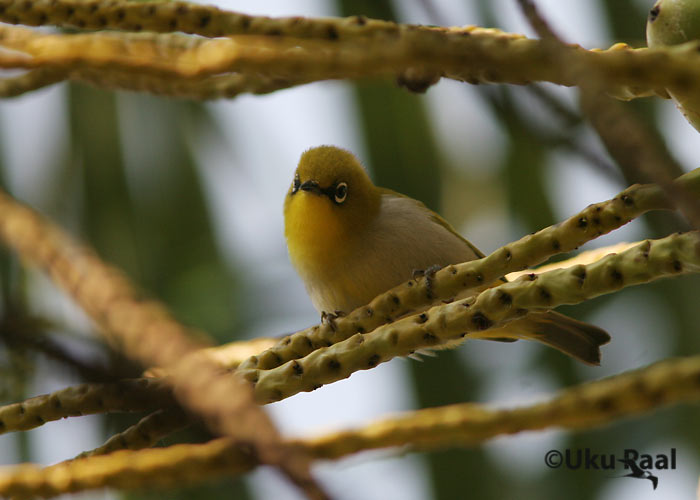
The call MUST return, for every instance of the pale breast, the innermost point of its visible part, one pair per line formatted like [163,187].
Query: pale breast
[403,239]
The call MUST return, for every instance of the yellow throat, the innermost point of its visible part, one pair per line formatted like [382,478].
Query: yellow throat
[329,203]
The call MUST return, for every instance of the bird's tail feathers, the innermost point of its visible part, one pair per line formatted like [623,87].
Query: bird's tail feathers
[572,337]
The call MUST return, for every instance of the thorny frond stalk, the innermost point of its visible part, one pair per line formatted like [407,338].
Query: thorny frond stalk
[86,399]
[261,54]
[475,316]
[145,433]
[585,406]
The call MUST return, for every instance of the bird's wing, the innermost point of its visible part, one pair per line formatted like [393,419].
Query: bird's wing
[436,218]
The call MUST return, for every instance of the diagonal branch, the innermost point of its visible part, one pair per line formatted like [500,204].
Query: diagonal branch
[143,434]
[475,316]
[86,399]
[146,332]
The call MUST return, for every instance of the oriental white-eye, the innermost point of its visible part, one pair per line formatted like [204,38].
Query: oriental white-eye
[350,240]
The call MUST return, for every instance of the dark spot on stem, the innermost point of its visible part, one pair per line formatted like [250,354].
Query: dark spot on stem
[627,200]
[545,294]
[505,298]
[297,368]
[332,33]
[606,404]
[556,245]
[393,338]
[656,396]
[360,20]
[333,365]
[204,20]
[481,321]
[373,360]
[616,275]
[582,222]
[429,338]
[422,318]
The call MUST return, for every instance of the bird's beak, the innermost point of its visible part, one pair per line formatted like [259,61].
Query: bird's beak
[312,187]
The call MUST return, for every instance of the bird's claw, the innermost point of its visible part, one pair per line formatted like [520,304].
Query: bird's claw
[329,318]
[429,274]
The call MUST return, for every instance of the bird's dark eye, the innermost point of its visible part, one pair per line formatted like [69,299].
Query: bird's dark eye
[341,192]
[296,184]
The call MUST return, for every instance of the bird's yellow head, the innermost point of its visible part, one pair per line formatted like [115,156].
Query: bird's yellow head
[330,201]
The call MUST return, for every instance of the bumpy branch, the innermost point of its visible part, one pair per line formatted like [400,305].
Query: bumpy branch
[530,250]
[86,399]
[585,406]
[298,50]
[473,317]
[126,469]
[143,434]
[145,331]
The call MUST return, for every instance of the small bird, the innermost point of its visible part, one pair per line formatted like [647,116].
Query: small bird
[350,240]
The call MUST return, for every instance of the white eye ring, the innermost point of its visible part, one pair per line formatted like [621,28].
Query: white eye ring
[341,192]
